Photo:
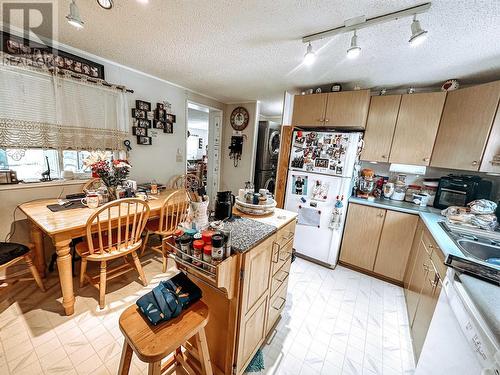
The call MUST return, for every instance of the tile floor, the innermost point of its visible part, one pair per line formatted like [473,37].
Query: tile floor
[335,322]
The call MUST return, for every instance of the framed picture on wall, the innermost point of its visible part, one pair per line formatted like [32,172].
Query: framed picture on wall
[157,124]
[139,113]
[139,131]
[141,140]
[160,114]
[160,106]
[170,118]
[169,128]
[141,104]
[142,123]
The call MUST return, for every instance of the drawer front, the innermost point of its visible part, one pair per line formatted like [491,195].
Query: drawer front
[281,255]
[286,233]
[280,277]
[277,305]
[430,244]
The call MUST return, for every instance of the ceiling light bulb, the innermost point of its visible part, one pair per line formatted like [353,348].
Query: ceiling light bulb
[354,50]
[418,35]
[310,56]
[74,16]
[106,4]
[143,1]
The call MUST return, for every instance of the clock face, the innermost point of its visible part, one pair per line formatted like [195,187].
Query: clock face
[239,118]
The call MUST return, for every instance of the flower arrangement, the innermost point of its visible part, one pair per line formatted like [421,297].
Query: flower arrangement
[111,172]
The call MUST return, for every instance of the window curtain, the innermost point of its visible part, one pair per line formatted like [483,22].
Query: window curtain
[42,110]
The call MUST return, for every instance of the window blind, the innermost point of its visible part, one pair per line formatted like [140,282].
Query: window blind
[41,110]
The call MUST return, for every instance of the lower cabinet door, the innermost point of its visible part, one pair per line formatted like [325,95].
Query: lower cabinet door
[252,333]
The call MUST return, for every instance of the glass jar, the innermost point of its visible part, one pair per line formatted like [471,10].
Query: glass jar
[185,242]
[412,189]
[217,248]
[207,257]
[197,252]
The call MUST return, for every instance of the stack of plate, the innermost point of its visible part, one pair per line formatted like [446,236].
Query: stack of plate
[256,209]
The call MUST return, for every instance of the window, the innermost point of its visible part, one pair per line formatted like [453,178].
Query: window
[31,163]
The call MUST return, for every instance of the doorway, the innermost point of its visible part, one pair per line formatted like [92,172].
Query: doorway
[203,146]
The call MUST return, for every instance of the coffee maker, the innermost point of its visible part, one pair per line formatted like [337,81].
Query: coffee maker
[224,205]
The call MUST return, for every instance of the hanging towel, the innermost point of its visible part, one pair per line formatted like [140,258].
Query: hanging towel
[309,216]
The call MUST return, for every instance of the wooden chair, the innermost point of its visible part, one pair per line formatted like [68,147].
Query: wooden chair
[173,211]
[153,343]
[113,239]
[92,184]
[186,181]
[11,253]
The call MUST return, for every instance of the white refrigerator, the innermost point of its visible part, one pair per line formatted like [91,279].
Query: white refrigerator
[319,177]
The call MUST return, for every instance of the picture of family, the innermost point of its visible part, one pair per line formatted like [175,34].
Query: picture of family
[299,185]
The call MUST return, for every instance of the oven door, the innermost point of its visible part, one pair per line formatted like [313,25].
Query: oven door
[451,197]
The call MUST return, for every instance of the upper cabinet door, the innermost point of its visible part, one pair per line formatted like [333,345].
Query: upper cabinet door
[380,126]
[416,128]
[347,109]
[465,125]
[491,158]
[309,110]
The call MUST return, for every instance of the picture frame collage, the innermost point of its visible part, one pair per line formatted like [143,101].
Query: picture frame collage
[144,119]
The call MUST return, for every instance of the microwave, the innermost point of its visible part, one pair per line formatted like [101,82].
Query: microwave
[8,177]
[456,190]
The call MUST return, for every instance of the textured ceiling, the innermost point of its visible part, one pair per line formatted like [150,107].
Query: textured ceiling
[236,50]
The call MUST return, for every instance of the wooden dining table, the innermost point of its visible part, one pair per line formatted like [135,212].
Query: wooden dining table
[62,227]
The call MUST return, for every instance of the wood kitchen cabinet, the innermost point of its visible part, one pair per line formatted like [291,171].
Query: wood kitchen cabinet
[382,117]
[346,109]
[378,240]
[465,125]
[395,244]
[309,110]
[491,158]
[361,235]
[416,128]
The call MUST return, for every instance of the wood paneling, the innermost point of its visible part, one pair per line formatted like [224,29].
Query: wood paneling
[284,159]
[416,128]
[380,126]
[491,157]
[309,110]
[361,235]
[413,253]
[395,244]
[347,109]
[466,122]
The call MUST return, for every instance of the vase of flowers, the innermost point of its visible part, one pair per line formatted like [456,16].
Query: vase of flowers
[111,172]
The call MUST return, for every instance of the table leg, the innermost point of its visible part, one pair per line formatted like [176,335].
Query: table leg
[65,273]
[38,250]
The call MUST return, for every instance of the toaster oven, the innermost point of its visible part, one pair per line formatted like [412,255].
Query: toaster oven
[8,177]
[459,190]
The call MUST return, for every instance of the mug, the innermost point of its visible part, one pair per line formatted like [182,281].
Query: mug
[91,201]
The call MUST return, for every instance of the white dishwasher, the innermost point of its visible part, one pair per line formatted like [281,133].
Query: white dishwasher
[458,341]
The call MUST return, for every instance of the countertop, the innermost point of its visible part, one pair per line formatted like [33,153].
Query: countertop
[248,231]
[484,295]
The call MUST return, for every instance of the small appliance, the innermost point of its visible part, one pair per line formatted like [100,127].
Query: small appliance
[456,190]
[268,145]
[8,177]
[224,205]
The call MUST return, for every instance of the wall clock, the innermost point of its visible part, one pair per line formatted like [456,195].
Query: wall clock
[239,118]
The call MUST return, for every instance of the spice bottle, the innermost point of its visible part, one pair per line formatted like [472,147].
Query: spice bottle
[217,248]
[206,236]
[197,252]
[185,242]
[226,232]
[207,257]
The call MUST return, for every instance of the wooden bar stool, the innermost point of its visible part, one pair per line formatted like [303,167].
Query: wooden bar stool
[153,343]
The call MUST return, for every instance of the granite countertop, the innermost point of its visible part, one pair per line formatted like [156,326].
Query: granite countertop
[248,232]
[484,295]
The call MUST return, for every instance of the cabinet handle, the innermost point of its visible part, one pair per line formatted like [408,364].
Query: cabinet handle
[474,162]
[289,237]
[425,267]
[425,159]
[434,282]
[288,257]
[320,120]
[326,120]
[283,279]
[384,156]
[281,305]
[277,252]
[380,215]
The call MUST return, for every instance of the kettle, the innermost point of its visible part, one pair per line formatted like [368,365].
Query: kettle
[224,205]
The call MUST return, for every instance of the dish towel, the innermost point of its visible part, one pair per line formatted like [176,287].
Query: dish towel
[309,216]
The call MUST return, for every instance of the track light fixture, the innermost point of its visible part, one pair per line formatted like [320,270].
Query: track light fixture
[106,4]
[418,35]
[74,16]
[354,50]
[310,56]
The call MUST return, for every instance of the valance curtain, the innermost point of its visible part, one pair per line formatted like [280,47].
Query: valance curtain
[42,110]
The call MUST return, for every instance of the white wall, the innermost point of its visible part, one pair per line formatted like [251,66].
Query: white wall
[193,150]
[234,178]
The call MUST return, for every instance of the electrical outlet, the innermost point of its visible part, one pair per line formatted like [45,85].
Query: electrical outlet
[179,158]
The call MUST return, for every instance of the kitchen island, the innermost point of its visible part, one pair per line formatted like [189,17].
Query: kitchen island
[247,291]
